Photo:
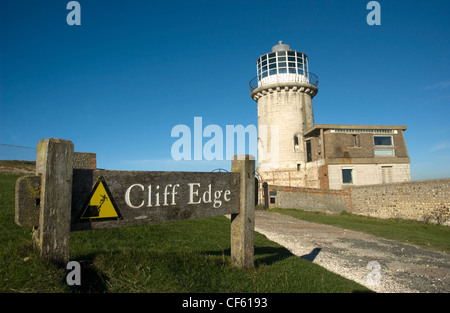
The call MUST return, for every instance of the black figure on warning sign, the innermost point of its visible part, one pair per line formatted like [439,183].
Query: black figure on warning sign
[94,210]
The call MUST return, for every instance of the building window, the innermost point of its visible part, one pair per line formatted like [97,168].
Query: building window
[355,140]
[382,140]
[308,151]
[347,176]
[272,195]
[296,142]
[383,152]
[299,167]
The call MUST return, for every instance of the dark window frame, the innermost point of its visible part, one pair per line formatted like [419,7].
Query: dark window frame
[308,151]
[347,176]
[379,140]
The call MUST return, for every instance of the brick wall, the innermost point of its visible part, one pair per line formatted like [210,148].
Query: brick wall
[417,200]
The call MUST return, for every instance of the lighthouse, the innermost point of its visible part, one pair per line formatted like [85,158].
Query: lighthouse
[283,89]
[294,151]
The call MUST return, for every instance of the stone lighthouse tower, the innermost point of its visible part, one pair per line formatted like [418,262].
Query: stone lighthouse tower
[283,89]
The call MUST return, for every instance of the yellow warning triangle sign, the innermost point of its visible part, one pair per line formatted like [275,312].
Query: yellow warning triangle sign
[100,205]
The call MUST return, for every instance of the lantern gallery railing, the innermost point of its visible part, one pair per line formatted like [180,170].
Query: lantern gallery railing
[275,77]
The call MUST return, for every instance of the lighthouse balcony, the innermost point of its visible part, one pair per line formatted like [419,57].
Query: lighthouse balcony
[276,78]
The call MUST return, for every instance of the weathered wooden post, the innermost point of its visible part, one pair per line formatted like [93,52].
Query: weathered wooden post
[266,195]
[243,223]
[54,163]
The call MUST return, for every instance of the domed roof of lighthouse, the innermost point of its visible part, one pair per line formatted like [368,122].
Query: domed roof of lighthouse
[281,47]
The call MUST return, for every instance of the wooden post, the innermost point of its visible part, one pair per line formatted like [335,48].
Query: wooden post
[243,223]
[266,195]
[54,163]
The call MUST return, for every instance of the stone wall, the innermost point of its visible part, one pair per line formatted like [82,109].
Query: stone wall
[307,176]
[309,199]
[418,200]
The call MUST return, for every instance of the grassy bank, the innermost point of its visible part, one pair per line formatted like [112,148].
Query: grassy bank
[434,237]
[186,256]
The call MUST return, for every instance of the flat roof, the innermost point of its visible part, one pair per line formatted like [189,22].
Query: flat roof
[341,126]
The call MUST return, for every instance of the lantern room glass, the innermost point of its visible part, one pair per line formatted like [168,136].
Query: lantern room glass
[282,62]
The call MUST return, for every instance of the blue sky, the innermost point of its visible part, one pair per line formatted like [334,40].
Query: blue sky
[117,84]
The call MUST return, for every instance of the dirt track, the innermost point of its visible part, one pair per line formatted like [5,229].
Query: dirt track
[397,268]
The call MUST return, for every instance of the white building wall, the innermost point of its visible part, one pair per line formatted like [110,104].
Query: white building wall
[367,174]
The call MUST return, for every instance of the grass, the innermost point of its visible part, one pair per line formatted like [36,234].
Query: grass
[433,237]
[186,256]
[18,166]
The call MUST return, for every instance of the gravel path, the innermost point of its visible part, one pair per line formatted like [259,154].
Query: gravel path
[379,264]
